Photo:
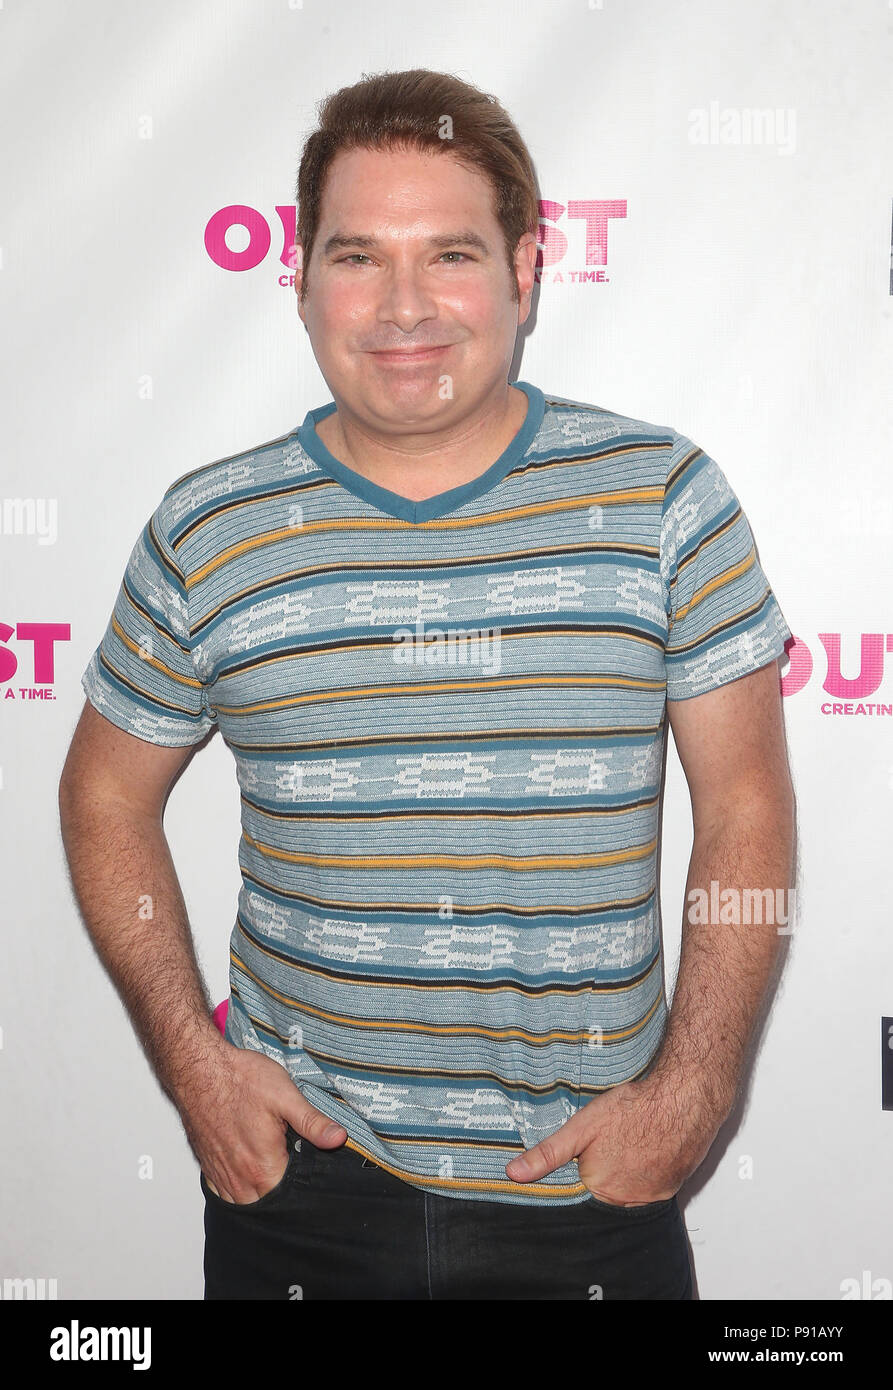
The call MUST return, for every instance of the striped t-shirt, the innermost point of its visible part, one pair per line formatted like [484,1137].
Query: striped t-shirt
[448,721]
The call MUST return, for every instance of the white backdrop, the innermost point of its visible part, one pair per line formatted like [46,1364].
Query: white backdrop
[745,300]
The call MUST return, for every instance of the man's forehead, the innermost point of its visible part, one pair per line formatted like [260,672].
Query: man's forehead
[399,178]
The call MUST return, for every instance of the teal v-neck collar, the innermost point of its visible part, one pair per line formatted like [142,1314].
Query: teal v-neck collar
[442,502]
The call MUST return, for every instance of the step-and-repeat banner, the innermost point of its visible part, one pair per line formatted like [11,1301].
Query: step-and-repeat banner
[716,184]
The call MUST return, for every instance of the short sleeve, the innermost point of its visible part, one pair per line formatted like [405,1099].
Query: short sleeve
[141,676]
[723,618]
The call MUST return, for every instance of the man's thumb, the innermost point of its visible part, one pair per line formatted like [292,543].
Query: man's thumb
[317,1127]
[551,1153]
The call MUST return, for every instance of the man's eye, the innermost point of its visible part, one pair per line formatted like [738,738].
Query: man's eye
[361,255]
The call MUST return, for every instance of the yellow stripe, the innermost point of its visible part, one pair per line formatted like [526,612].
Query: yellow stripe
[450,1030]
[344,905]
[532,863]
[150,660]
[435,687]
[463,1185]
[719,582]
[727,622]
[563,504]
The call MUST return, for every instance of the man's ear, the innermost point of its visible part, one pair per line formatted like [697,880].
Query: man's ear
[298,265]
[525,270]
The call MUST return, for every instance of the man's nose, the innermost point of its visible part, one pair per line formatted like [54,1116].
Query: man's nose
[405,300]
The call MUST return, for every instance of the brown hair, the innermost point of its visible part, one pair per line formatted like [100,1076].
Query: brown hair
[392,110]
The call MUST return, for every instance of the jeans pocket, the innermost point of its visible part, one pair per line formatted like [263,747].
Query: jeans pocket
[266,1198]
[637,1213]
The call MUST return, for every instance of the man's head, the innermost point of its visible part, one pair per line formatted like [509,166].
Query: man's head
[417,223]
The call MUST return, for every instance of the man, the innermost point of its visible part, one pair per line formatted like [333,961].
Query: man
[442,626]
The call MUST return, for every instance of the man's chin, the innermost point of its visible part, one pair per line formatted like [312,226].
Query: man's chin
[404,401]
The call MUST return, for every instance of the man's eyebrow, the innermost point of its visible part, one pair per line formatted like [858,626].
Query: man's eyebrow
[464,237]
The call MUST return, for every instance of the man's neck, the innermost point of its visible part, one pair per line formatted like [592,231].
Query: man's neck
[424,465]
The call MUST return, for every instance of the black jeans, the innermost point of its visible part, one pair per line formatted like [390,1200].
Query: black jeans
[339,1227]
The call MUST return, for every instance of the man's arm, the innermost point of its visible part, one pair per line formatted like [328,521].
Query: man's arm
[111,802]
[233,1103]
[639,1141]
[731,743]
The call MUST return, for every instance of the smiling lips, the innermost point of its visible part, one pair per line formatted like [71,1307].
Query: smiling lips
[410,354]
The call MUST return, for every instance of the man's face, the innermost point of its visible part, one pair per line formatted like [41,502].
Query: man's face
[387,287]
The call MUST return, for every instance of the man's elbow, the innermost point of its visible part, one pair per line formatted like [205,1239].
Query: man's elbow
[765,807]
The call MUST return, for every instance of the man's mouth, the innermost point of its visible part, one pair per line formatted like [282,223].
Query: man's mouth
[410,354]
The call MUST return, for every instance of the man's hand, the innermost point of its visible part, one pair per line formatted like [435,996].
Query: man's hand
[235,1118]
[635,1144]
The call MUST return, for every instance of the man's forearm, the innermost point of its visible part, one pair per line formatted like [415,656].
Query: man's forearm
[725,967]
[131,902]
